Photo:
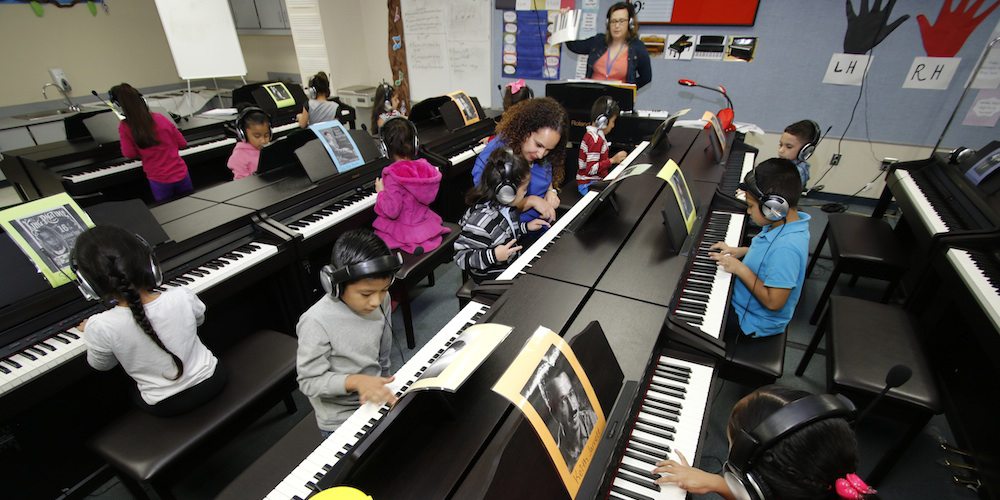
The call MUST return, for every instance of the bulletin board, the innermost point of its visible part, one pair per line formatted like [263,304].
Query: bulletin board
[697,12]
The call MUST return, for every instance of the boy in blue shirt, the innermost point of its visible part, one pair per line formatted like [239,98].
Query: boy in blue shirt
[772,269]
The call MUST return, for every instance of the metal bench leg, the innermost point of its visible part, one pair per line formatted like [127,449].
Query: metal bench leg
[825,295]
[404,303]
[813,345]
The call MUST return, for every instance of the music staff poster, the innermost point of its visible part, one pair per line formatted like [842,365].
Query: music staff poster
[548,385]
[46,230]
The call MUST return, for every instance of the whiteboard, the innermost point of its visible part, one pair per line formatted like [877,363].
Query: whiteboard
[446,49]
[202,38]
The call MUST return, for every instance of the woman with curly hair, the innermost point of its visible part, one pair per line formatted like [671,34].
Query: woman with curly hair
[535,129]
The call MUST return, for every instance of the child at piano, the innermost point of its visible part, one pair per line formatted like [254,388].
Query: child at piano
[513,93]
[345,337]
[817,461]
[594,162]
[797,144]
[155,140]
[769,272]
[387,105]
[153,335]
[403,216]
[321,107]
[491,225]
[253,129]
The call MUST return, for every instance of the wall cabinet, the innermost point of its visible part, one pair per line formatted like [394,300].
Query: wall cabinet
[260,16]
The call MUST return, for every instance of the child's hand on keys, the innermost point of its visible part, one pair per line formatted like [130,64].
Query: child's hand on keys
[378,185]
[504,252]
[619,157]
[82,325]
[721,247]
[687,478]
[537,224]
[372,389]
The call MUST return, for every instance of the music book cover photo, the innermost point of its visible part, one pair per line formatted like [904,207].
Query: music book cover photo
[280,95]
[671,172]
[548,385]
[470,114]
[339,145]
[46,230]
[450,370]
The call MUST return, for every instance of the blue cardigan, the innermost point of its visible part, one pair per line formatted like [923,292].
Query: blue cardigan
[638,72]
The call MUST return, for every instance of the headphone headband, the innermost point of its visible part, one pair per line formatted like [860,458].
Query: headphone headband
[383,146]
[241,119]
[602,119]
[773,206]
[505,190]
[809,147]
[333,279]
[90,293]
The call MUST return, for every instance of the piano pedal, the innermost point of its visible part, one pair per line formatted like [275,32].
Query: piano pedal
[946,446]
[957,465]
[967,482]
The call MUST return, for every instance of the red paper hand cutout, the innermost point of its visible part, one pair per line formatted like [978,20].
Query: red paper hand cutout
[946,36]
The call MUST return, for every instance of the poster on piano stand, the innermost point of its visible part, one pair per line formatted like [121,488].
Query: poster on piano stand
[46,230]
[280,95]
[548,385]
[671,172]
[454,366]
[469,113]
[339,145]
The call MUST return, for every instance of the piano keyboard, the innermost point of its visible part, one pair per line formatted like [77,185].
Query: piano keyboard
[134,164]
[730,182]
[468,153]
[284,128]
[540,246]
[61,347]
[669,418]
[984,287]
[703,298]
[331,215]
[301,482]
[904,185]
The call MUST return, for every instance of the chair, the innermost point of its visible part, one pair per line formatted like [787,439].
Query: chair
[865,339]
[861,246]
[415,269]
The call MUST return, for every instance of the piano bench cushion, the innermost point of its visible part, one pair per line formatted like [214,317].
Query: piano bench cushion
[417,267]
[465,291]
[271,468]
[261,372]
[868,338]
[756,361]
[865,242]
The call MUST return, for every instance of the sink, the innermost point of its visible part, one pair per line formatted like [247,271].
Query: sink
[38,115]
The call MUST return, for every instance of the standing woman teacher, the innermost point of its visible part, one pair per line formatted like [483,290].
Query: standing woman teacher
[617,54]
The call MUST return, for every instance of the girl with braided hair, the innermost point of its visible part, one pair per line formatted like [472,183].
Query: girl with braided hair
[153,335]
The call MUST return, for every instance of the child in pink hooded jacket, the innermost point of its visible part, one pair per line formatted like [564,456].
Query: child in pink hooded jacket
[405,191]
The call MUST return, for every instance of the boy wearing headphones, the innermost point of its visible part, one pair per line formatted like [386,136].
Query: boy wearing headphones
[797,144]
[594,163]
[771,270]
[253,129]
[345,337]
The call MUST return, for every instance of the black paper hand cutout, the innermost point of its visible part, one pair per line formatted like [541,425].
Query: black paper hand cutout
[868,28]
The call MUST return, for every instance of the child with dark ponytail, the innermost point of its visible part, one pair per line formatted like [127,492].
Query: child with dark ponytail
[152,334]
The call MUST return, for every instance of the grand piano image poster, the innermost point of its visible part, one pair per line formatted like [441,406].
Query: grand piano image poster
[46,230]
[548,385]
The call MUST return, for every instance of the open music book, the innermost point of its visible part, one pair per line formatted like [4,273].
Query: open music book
[450,370]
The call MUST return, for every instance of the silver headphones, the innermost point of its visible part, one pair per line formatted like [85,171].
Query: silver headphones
[773,207]
[241,121]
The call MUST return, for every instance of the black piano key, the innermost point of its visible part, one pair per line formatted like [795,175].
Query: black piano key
[671,387]
[675,367]
[196,273]
[661,407]
[60,339]
[612,496]
[671,376]
[651,445]
[339,455]
[666,392]
[72,335]
[656,399]
[642,426]
[38,351]
[5,370]
[641,457]
[640,472]
[12,363]
[312,486]
[638,481]
[653,452]
[46,346]
[627,493]
[661,414]
[29,355]
[318,476]
[327,467]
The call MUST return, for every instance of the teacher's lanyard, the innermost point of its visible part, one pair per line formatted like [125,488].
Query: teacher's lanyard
[611,61]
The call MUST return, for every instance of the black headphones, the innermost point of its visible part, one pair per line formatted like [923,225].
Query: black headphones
[384,148]
[773,207]
[505,190]
[602,119]
[389,91]
[810,147]
[117,105]
[748,446]
[241,119]
[618,6]
[90,293]
[333,280]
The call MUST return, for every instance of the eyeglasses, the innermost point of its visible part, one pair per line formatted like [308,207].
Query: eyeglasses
[619,21]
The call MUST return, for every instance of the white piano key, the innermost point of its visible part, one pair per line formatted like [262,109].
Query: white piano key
[311,229]
[903,186]
[233,267]
[134,164]
[465,155]
[975,279]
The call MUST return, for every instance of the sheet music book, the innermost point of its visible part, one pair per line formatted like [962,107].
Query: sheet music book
[450,370]
[46,230]
[339,145]
[566,27]
[544,381]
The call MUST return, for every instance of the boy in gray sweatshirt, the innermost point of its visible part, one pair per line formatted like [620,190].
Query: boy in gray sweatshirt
[345,337]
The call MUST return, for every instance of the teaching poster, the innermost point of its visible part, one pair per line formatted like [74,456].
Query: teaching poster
[46,230]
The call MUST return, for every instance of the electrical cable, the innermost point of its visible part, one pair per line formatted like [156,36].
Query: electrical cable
[841,206]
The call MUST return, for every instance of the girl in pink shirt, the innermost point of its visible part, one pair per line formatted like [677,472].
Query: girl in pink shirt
[155,140]
[253,128]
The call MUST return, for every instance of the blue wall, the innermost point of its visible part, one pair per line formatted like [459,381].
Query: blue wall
[784,82]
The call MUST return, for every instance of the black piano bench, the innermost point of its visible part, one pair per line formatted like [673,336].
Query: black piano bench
[271,468]
[464,293]
[415,269]
[754,362]
[861,246]
[865,340]
[147,452]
